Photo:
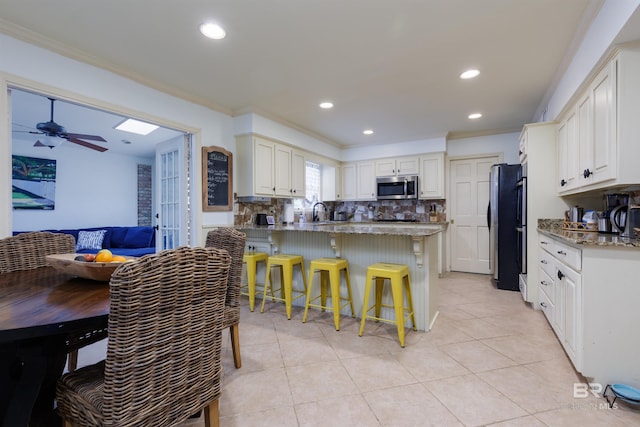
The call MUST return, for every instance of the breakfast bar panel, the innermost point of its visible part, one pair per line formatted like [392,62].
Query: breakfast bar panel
[417,250]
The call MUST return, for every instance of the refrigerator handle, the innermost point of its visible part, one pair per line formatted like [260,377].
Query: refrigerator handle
[489,216]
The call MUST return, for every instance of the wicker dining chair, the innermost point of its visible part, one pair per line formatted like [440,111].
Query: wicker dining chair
[27,251]
[232,241]
[163,359]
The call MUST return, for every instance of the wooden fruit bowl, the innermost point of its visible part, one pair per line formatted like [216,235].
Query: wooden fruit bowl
[100,271]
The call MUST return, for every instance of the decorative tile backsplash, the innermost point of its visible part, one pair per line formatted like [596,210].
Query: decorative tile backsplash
[418,210]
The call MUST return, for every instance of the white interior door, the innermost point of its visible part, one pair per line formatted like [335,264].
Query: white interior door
[171,189]
[467,206]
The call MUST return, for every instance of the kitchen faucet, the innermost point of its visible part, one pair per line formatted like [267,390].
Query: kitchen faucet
[314,216]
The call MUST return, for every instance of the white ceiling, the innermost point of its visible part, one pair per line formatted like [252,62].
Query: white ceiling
[389,65]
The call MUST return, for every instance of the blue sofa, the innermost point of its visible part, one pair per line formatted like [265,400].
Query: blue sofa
[129,241]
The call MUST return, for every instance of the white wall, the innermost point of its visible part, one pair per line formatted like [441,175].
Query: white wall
[506,143]
[431,145]
[597,41]
[253,123]
[85,195]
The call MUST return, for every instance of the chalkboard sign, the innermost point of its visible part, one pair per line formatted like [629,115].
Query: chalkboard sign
[217,179]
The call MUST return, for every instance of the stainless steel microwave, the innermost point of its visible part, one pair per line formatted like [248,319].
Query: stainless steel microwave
[397,187]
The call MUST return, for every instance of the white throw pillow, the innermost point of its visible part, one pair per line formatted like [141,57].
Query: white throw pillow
[91,240]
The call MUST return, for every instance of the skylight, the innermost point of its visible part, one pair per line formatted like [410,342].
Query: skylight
[136,126]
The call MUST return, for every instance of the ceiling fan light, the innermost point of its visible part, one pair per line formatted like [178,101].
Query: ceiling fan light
[51,141]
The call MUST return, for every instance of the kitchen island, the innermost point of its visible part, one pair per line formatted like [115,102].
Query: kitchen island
[417,245]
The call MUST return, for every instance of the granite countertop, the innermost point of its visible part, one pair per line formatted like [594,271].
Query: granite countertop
[413,229]
[553,228]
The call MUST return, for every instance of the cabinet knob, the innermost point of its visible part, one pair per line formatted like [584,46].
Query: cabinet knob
[562,253]
[543,305]
[563,183]
[560,275]
[544,243]
[544,282]
[587,173]
[543,261]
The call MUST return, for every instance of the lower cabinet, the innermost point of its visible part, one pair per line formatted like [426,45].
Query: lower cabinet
[560,287]
[589,294]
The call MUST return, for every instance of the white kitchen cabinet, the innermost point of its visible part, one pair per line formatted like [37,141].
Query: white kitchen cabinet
[366,181]
[358,181]
[348,182]
[397,167]
[523,145]
[607,126]
[282,169]
[542,199]
[568,154]
[560,294]
[431,182]
[593,308]
[596,124]
[298,174]
[269,168]
[263,182]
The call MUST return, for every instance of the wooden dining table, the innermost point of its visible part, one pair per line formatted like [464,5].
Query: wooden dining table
[41,311]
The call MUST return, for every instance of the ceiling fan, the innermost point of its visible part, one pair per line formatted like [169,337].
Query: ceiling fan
[52,130]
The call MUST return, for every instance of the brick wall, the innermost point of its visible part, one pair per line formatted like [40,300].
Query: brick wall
[145,207]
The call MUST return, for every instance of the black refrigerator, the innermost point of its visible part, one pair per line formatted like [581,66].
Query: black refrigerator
[502,219]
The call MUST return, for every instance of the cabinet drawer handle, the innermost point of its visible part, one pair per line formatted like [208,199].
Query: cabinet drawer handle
[563,183]
[543,261]
[544,282]
[544,243]
[562,253]
[560,275]
[543,305]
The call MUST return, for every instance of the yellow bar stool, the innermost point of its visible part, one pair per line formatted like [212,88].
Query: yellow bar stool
[329,269]
[285,263]
[397,274]
[251,260]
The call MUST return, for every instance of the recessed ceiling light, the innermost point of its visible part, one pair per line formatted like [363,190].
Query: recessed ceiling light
[367,132]
[474,116]
[469,74]
[212,31]
[326,105]
[136,126]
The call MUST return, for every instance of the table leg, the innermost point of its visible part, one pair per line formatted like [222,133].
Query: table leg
[35,369]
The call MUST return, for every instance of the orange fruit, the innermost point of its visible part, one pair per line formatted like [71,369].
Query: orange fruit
[118,258]
[104,255]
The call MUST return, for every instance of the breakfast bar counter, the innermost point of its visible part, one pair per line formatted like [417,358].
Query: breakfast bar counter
[417,245]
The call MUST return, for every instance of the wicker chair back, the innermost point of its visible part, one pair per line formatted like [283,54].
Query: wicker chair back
[163,355]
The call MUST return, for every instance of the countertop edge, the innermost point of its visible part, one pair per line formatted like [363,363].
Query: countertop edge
[409,229]
[581,239]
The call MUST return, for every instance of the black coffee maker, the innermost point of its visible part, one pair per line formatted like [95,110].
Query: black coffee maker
[613,202]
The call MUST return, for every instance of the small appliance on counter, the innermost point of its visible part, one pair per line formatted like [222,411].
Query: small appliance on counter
[288,214]
[615,207]
[261,219]
[339,216]
[632,226]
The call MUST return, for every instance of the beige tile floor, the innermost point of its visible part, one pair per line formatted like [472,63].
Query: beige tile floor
[489,360]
